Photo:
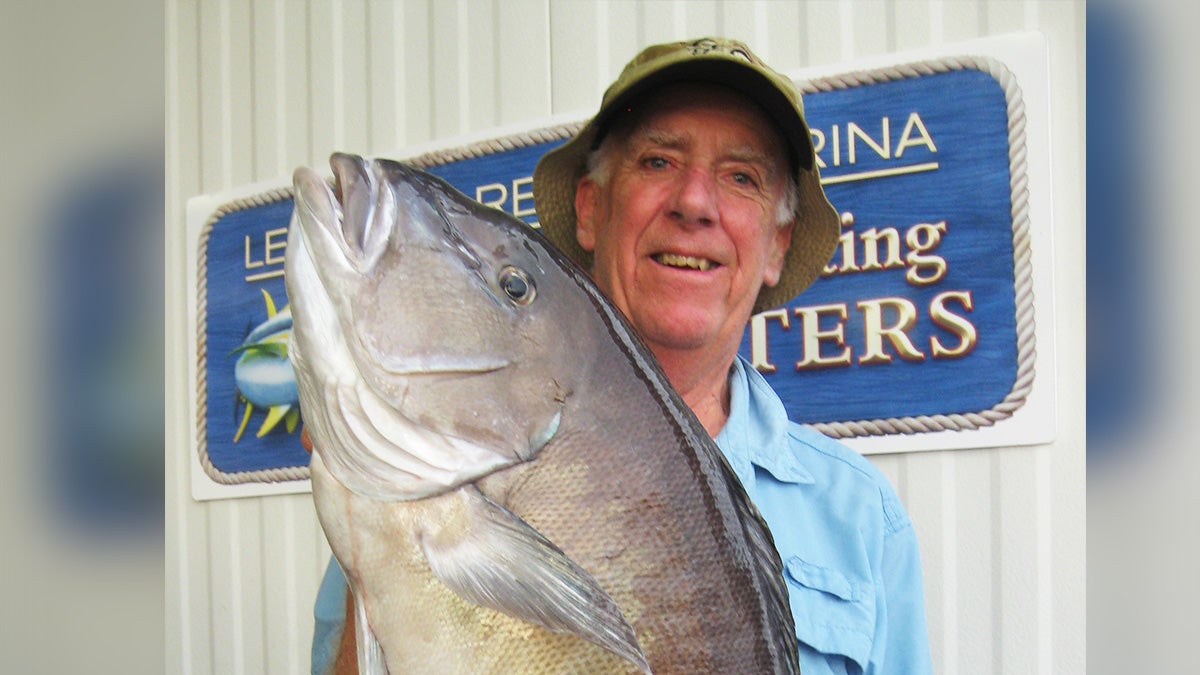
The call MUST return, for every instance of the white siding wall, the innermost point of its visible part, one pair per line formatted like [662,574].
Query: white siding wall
[257,87]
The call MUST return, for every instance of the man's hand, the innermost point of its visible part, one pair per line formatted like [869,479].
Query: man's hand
[347,656]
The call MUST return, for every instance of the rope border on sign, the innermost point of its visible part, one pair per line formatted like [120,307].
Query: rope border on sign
[1022,252]
[1022,261]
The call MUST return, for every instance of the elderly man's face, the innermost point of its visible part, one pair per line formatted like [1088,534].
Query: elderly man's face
[683,232]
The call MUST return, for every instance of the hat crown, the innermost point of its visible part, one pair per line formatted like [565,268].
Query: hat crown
[700,47]
[654,57]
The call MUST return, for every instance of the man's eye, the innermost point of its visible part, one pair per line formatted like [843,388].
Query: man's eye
[742,178]
[655,162]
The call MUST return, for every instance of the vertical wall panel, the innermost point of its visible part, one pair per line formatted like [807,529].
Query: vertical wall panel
[1018,506]
[524,70]
[350,97]
[248,589]
[448,65]
[961,20]
[266,72]
[294,112]
[488,76]
[870,26]
[323,64]
[743,20]
[912,23]
[576,37]
[240,96]
[385,81]
[256,87]
[701,18]
[973,538]
[781,25]
[823,31]
[930,489]
[282,565]
[417,61]
[1062,475]
[1004,17]
[211,81]
[620,38]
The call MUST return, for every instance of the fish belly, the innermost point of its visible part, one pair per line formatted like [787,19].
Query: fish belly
[421,625]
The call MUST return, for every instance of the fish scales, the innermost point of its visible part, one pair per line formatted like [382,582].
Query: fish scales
[501,468]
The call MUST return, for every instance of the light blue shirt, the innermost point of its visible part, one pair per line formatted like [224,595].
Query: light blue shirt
[848,548]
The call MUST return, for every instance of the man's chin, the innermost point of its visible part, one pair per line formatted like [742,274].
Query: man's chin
[681,328]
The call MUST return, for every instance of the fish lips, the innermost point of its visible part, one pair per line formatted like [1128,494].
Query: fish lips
[371,203]
[353,216]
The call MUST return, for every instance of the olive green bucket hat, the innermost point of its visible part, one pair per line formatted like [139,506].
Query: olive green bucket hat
[708,60]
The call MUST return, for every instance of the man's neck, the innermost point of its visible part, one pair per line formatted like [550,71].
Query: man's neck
[702,382]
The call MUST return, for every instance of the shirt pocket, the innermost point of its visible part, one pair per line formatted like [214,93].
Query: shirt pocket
[834,612]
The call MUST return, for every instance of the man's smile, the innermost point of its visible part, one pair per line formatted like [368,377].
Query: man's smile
[685,261]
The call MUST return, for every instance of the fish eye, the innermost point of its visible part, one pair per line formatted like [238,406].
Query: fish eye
[517,285]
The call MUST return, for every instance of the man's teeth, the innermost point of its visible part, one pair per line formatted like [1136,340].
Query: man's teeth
[674,260]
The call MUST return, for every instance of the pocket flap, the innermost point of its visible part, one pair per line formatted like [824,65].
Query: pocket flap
[823,579]
[834,614]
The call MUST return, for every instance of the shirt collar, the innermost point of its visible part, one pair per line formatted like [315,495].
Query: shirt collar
[756,432]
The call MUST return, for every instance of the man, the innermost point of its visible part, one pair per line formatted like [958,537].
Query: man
[693,197]
[694,200]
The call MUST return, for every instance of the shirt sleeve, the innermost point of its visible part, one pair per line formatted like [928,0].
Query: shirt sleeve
[901,640]
[329,614]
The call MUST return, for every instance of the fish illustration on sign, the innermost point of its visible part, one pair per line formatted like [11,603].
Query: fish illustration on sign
[502,470]
[262,374]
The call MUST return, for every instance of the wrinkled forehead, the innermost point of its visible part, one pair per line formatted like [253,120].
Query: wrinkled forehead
[671,113]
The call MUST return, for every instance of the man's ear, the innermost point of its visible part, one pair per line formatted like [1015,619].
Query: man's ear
[777,248]
[586,193]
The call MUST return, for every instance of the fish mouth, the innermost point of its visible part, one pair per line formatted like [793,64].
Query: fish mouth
[685,262]
[345,168]
[419,366]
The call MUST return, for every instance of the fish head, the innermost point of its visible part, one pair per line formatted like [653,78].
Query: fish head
[458,318]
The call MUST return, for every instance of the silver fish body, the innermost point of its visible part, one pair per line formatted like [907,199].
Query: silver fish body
[501,469]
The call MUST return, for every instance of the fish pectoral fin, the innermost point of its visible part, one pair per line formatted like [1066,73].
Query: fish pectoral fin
[493,558]
[370,654]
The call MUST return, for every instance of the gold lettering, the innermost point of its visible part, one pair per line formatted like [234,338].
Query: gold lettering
[519,196]
[968,337]
[855,132]
[759,357]
[492,187]
[846,246]
[837,150]
[874,330]
[921,238]
[250,264]
[810,318]
[818,141]
[870,239]
[275,242]
[906,139]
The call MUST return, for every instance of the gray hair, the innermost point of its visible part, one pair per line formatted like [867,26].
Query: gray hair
[601,161]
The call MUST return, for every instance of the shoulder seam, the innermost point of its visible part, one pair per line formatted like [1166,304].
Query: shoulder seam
[895,518]
[840,457]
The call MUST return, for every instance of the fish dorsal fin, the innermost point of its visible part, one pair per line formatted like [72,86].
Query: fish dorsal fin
[493,558]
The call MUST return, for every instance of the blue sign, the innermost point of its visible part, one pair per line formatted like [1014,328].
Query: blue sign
[915,317]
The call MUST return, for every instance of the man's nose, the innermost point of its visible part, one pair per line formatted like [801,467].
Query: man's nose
[695,199]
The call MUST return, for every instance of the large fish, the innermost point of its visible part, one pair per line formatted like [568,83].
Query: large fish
[503,472]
